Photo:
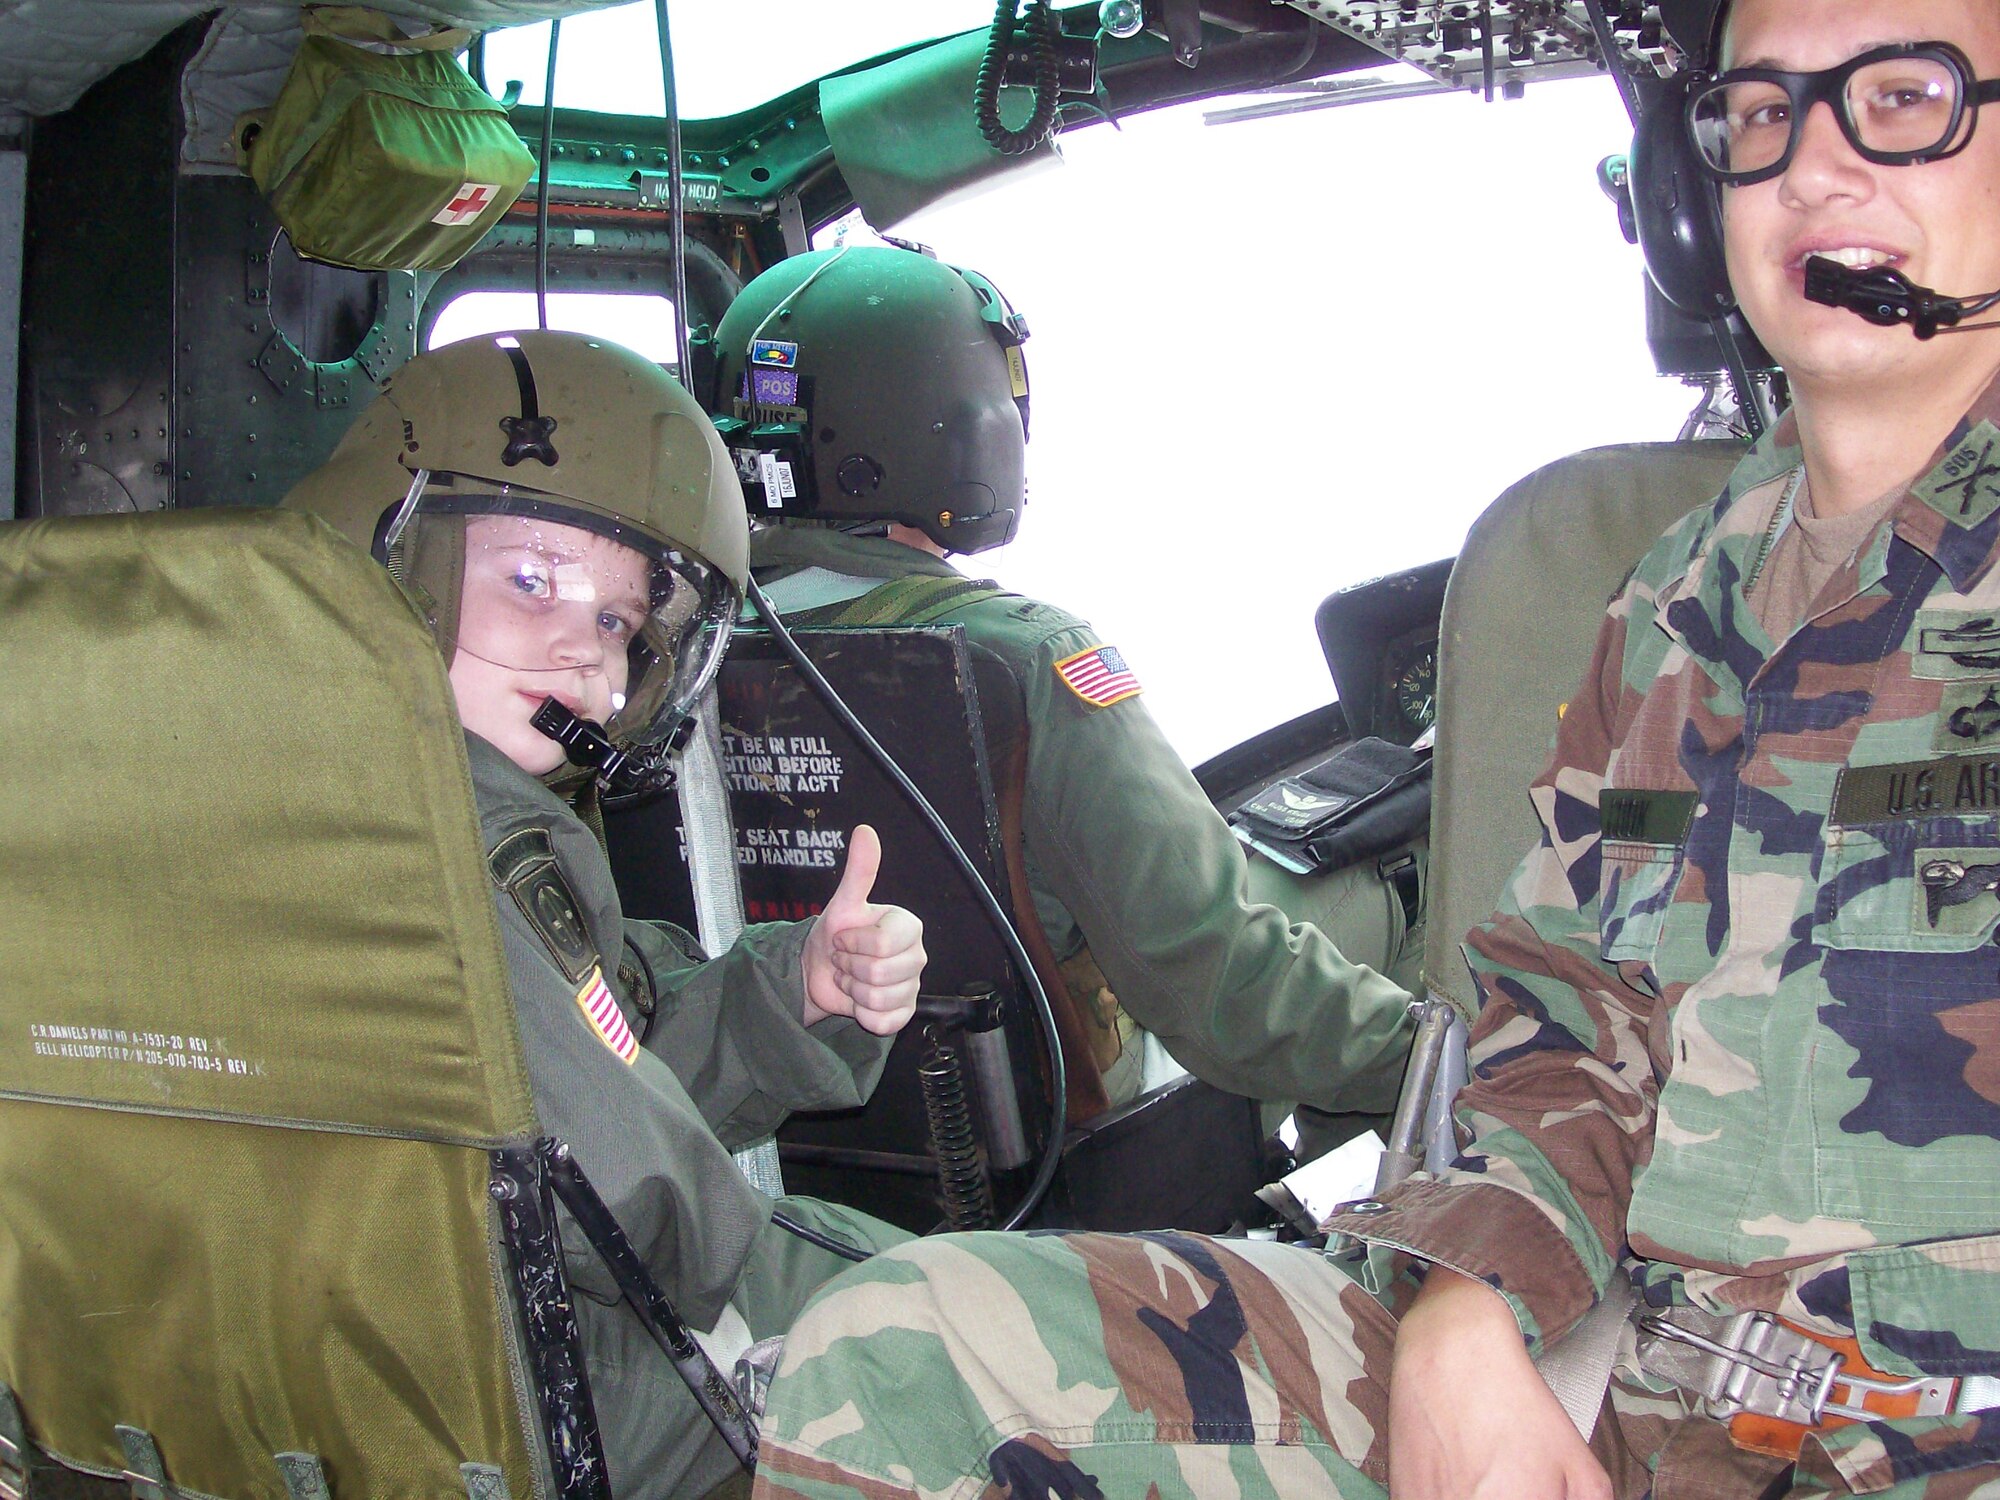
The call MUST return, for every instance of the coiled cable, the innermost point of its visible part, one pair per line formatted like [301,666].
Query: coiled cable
[1040,26]
[968,1198]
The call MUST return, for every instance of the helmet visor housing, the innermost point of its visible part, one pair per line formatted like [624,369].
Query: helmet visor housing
[554,601]
[1900,105]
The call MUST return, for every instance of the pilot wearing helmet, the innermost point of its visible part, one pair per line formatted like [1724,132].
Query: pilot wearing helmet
[561,514]
[876,401]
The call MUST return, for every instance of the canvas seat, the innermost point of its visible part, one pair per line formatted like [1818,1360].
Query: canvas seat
[268,1197]
[1521,614]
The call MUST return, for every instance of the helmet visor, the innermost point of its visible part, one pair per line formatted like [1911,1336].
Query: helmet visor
[620,626]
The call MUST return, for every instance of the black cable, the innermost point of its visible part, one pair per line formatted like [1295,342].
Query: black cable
[676,209]
[1041,30]
[1749,405]
[813,1237]
[542,185]
[989,903]
[1607,45]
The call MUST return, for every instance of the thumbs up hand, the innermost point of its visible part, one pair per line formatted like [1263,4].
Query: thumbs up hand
[861,959]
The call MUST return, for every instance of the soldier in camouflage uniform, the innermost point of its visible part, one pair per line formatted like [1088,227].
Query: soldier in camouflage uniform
[1140,911]
[1741,1007]
[561,514]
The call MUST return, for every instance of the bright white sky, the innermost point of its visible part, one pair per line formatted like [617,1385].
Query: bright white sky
[1269,359]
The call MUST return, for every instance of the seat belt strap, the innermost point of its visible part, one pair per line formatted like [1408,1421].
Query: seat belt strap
[145,1475]
[13,1448]
[303,1476]
[916,600]
[484,1482]
[1577,1367]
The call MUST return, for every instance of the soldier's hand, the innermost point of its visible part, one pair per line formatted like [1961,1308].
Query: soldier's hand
[861,959]
[1469,1416]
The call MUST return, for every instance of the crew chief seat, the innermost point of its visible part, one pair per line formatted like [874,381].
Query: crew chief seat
[267,1198]
[1521,614]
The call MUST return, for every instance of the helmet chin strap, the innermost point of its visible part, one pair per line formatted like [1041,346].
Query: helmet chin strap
[587,745]
[619,772]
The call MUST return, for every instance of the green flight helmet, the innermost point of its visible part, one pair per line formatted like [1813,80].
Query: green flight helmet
[489,474]
[870,383]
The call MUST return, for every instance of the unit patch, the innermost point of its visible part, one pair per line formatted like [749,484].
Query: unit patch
[1099,676]
[1965,488]
[600,1008]
[524,866]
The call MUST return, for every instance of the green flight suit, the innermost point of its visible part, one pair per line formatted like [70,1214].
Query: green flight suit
[725,1059]
[1131,867]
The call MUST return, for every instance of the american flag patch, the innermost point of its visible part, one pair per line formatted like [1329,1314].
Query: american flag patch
[600,1008]
[1099,676]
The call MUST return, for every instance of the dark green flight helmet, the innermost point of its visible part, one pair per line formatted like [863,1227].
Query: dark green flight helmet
[870,383]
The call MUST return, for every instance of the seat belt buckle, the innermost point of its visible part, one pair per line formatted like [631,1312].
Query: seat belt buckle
[1774,1383]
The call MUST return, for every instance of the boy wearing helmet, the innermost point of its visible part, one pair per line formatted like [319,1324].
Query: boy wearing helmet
[563,516]
[888,392]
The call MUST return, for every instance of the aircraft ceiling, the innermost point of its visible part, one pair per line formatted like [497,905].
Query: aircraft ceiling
[52,50]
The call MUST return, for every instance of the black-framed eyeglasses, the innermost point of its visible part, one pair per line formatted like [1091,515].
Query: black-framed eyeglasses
[1898,106]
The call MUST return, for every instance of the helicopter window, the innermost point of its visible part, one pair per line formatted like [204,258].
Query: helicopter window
[608,59]
[325,312]
[642,321]
[1280,357]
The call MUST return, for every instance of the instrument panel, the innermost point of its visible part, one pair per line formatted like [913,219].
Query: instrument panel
[1381,644]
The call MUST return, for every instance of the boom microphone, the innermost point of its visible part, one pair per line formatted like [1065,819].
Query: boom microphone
[1889,299]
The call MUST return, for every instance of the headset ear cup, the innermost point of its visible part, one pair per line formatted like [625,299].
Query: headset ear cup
[1678,211]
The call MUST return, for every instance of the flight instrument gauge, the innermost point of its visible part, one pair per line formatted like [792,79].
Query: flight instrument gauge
[1415,689]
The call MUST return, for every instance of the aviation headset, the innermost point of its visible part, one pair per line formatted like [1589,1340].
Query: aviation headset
[1675,204]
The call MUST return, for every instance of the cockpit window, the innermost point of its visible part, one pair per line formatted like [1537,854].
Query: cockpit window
[1277,358]
[643,321]
[609,59]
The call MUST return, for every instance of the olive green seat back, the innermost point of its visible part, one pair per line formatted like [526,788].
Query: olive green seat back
[1521,614]
[256,1036]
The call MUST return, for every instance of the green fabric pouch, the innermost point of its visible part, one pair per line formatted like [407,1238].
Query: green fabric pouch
[381,153]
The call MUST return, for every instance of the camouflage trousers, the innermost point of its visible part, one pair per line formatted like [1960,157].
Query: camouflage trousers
[1170,1366]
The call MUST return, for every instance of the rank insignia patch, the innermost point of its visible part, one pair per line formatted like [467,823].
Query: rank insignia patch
[600,1008]
[1099,676]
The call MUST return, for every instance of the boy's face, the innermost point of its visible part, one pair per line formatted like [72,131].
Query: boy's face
[547,611]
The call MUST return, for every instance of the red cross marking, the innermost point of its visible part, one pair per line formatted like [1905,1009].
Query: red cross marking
[468,205]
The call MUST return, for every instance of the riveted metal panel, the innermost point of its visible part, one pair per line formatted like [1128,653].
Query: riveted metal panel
[253,415]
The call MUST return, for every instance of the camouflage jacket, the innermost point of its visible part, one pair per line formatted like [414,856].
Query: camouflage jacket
[1742,1005]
